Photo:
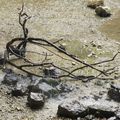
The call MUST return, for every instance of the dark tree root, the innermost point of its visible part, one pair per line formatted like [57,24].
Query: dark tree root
[19,51]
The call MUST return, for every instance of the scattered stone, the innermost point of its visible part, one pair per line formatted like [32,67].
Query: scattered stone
[33,85]
[114,92]
[93,44]
[34,78]
[36,100]
[99,83]
[73,63]
[95,3]
[1,77]
[51,81]
[11,79]
[48,90]
[2,61]
[113,118]
[8,71]
[103,11]
[51,72]
[72,109]
[63,46]
[62,87]
[21,87]
[92,54]
[118,115]
[18,109]
[89,117]
[97,97]
[99,46]
[44,88]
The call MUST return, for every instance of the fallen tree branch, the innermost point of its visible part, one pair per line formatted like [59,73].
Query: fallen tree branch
[105,61]
[32,40]
[20,49]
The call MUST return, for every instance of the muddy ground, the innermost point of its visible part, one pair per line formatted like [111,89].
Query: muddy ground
[78,26]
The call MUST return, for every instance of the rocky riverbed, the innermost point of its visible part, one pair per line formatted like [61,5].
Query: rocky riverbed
[90,37]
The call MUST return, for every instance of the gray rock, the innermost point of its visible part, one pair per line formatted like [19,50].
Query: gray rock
[51,72]
[48,90]
[118,115]
[51,81]
[21,88]
[34,78]
[33,85]
[44,88]
[101,109]
[112,118]
[62,87]
[114,92]
[89,117]
[72,109]
[86,107]
[95,3]
[11,79]
[103,11]
[2,61]
[36,100]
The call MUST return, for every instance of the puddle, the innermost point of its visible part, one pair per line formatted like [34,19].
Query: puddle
[112,28]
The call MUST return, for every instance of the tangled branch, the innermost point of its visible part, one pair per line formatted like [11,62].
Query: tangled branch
[19,51]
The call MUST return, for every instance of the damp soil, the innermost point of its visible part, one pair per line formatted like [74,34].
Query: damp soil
[112,27]
[79,28]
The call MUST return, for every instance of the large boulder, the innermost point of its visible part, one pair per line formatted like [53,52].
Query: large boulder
[72,109]
[87,106]
[36,100]
[95,3]
[103,11]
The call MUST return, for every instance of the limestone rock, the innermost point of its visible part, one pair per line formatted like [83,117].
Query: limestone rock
[103,11]
[95,3]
